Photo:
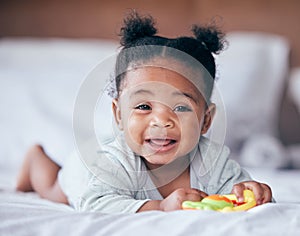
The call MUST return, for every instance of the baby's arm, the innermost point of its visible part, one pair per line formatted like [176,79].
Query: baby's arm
[174,200]
[262,192]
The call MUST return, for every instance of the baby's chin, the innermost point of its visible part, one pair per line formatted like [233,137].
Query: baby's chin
[165,159]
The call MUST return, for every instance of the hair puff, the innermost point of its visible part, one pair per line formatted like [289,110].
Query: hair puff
[210,37]
[136,27]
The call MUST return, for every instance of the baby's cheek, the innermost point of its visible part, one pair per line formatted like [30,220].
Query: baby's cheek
[192,125]
[194,136]
[191,135]
[134,129]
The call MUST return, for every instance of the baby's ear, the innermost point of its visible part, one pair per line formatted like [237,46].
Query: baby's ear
[117,113]
[208,117]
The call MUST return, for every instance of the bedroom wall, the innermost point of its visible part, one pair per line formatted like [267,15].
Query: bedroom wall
[102,19]
[88,18]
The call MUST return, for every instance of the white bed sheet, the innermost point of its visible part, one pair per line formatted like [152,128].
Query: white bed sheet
[39,80]
[26,214]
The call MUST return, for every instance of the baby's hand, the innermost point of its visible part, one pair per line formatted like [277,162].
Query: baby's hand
[175,199]
[262,192]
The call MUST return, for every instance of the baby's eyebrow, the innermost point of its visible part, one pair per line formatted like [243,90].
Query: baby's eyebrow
[141,92]
[176,93]
[185,94]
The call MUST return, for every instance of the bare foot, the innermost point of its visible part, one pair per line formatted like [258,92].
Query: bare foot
[23,181]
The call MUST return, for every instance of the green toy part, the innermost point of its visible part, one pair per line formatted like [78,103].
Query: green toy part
[223,203]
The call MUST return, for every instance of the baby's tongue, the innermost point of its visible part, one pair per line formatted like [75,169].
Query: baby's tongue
[161,142]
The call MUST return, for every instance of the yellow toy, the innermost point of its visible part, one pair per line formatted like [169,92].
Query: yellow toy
[222,203]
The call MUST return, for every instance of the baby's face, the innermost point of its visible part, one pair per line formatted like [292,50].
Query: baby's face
[161,114]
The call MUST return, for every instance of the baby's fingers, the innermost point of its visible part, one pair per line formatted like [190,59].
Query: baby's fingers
[238,190]
[195,195]
[267,193]
[262,192]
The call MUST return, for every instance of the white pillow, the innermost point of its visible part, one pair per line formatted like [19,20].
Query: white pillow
[39,81]
[252,71]
[294,87]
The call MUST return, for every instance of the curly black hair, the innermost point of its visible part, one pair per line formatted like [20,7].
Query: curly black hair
[140,32]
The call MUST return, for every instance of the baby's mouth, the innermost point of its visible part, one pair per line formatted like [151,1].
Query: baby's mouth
[161,143]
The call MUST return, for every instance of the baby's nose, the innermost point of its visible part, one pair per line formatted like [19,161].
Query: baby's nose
[162,118]
[162,123]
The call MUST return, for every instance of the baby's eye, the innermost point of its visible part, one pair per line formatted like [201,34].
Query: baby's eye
[143,107]
[182,109]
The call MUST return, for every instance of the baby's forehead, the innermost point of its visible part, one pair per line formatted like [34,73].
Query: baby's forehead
[188,68]
[158,83]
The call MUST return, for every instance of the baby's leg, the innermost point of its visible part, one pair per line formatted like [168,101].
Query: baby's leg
[39,174]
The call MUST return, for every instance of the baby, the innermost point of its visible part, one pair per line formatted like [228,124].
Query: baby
[160,157]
